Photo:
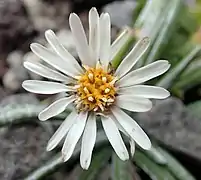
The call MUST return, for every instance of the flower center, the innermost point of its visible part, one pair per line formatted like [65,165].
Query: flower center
[96,91]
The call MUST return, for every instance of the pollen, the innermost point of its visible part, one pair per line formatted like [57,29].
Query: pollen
[96,90]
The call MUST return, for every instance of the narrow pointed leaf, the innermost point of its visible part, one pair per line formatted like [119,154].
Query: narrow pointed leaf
[99,160]
[175,167]
[165,31]
[168,80]
[16,114]
[152,169]
[120,169]
[156,155]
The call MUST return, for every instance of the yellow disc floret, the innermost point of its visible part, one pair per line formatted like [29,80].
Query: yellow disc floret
[96,91]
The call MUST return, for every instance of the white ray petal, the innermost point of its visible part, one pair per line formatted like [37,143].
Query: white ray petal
[55,108]
[46,72]
[88,142]
[144,74]
[132,128]
[53,59]
[62,130]
[44,87]
[80,39]
[74,135]
[114,137]
[131,141]
[119,43]
[133,56]
[145,91]
[133,103]
[94,34]
[62,52]
[105,39]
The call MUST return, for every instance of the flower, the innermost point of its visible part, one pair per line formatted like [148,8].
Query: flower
[95,88]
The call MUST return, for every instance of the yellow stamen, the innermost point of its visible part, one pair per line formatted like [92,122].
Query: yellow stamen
[101,107]
[107,90]
[91,76]
[104,99]
[110,100]
[96,89]
[86,90]
[90,98]
[104,79]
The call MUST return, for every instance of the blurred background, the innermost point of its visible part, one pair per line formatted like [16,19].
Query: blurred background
[174,124]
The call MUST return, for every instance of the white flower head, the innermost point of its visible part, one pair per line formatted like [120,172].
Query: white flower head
[94,88]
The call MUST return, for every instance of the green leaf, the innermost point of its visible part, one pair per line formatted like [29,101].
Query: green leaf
[120,169]
[150,14]
[189,80]
[53,164]
[150,22]
[175,167]
[123,51]
[165,31]
[99,160]
[15,114]
[156,156]
[47,168]
[154,170]
[23,113]
[168,80]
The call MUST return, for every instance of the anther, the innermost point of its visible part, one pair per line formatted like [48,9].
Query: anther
[90,98]
[101,107]
[110,100]
[107,90]
[104,79]
[91,76]
[86,90]
[104,99]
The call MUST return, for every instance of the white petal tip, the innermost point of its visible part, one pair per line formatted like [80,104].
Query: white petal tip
[24,85]
[49,31]
[72,15]
[166,94]
[65,158]
[41,118]
[85,165]
[33,45]
[49,34]
[125,157]
[166,63]
[49,148]
[93,9]
[147,146]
